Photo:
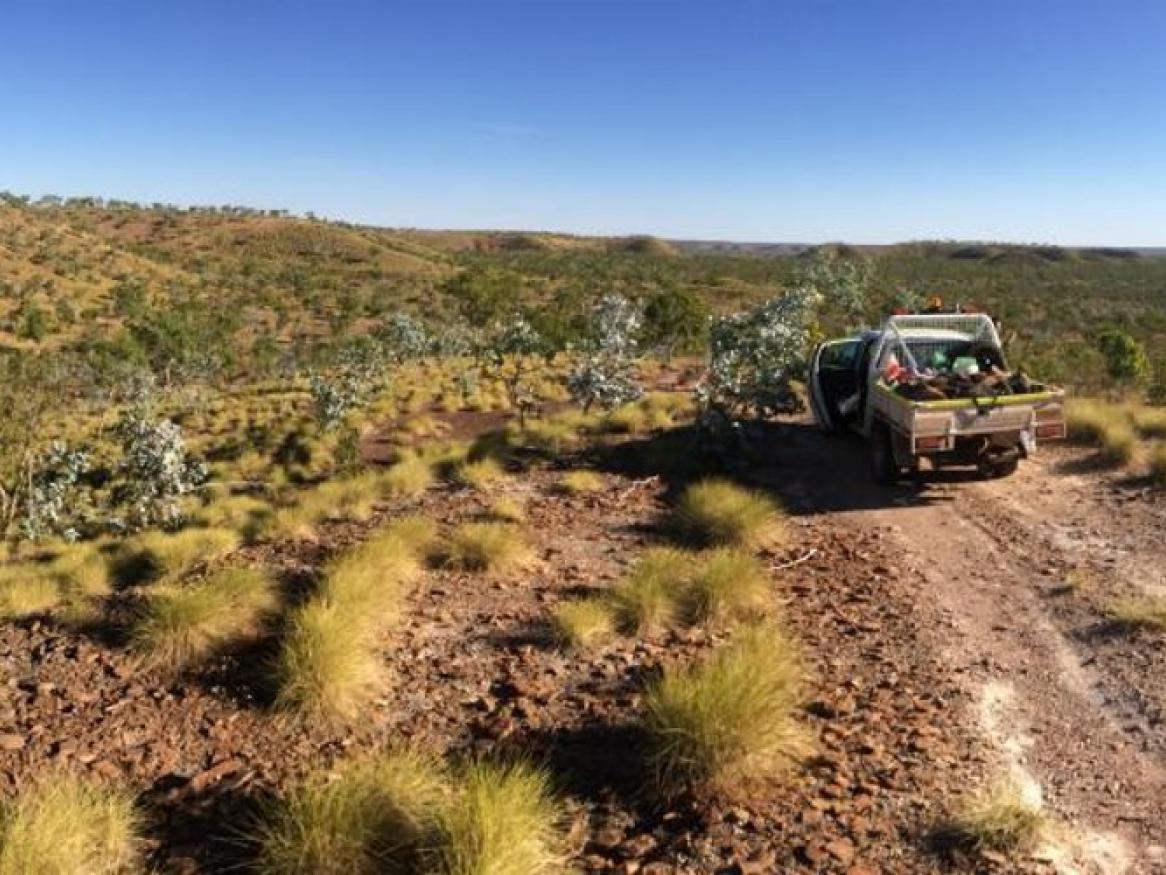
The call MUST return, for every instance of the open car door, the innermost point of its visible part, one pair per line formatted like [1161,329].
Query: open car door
[835,383]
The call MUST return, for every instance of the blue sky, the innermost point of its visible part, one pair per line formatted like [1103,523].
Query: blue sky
[865,121]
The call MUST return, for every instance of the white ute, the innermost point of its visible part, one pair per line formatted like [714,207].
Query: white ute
[853,386]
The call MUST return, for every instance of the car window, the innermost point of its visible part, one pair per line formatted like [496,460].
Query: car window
[839,355]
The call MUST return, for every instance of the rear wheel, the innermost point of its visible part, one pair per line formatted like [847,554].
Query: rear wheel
[884,469]
[993,470]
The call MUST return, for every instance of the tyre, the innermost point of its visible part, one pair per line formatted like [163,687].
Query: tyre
[999,470]
[884,470]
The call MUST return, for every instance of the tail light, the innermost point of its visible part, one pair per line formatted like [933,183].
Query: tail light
[930,443]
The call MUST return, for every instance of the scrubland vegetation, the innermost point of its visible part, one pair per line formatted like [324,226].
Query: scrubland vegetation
[240,422]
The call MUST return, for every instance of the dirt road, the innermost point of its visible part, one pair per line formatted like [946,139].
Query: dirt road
[1013,581]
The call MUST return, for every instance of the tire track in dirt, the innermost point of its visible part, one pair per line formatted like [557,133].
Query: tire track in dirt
[987,556]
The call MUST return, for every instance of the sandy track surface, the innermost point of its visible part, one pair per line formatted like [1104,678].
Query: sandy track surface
[1013,578]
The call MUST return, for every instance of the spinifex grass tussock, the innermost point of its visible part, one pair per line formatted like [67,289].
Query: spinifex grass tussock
[488,546]
[1118,444]
[726,584]
[649,596]
[479,474]
[715,512]
[166,557]
[583,623]
[730,720]
[1157,465]
[1143,611]
[373,816]
[503,820]
[580,482]
[628,419]
[410,475]
[507,510]
[327,667]
[26,590]
[1086,420]
[368,581]
[246,514]
[180,625]
[550,435]
[1150,422]
[416,533]
[63,825]
[999,820]
[82,570]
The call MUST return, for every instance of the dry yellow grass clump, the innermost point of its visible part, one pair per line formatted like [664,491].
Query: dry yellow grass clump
[246,514]
[1157,465]
[1000,820]
[488,546]
[1146,611]
[581,482]
[715,512]
[1150,421]
[328,665]
[410,475]
[648,598]
[62,825]
[1086,420]
[67,580]
[26,590]
[1118,443]
[503,820]
[479,474]
[507,510]
[584,623]
[403,813]
[373,816]
[729,720]
[326,669]
[162,556]
[726,584]
[180,625]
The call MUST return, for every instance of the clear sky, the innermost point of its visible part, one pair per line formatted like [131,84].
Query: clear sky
[866,121]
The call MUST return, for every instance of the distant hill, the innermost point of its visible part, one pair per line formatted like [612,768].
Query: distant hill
[85,270]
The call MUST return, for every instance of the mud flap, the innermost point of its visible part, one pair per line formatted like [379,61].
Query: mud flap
[1027,444]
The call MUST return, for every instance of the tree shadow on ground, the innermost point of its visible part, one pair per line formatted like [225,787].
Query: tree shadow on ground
[809,472]
[207,831]
[596,761]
